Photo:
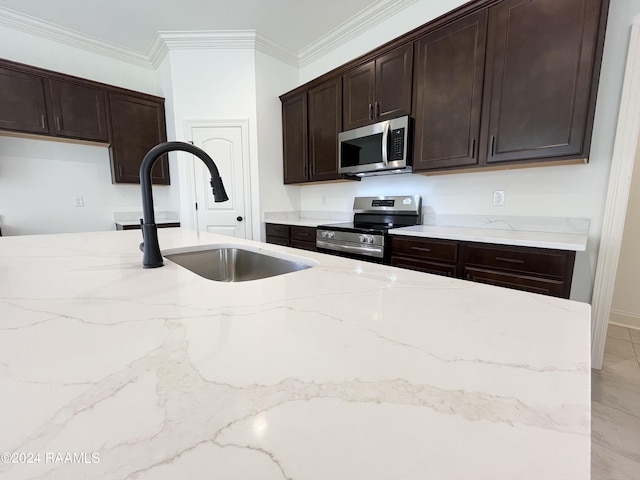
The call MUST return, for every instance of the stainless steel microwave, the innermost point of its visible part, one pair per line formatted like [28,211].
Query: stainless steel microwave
[378,149]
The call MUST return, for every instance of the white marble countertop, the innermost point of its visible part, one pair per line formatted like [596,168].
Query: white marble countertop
[303,222]
[347,370]
[557,240]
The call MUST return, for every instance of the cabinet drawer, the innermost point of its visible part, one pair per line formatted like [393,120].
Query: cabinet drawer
[278,241]
[552,263]
[303,234]
[276,230]
[304,245]
[442,250]
[556,288]
[445,269]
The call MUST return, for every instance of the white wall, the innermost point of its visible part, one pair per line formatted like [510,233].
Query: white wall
[210,84]
[39,178]
[272,79]
[625,305]
[557,191]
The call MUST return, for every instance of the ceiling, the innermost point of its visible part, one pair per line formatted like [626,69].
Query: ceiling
[293,25]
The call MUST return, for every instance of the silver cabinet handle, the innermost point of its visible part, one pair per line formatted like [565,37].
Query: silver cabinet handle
[510,260]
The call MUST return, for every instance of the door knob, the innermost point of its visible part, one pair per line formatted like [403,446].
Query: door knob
[239,218]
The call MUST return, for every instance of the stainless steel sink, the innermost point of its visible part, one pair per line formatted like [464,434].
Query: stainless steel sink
[235,264]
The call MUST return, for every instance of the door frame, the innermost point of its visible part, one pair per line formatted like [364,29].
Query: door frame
[188,186]
[624,153]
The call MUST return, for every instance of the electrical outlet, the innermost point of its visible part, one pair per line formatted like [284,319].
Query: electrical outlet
[498,198]
[78,201]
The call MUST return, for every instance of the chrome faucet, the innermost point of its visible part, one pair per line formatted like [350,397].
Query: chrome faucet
[152,257]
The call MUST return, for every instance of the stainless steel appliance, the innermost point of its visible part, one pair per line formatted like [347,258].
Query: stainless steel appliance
[366,237]
[378,149]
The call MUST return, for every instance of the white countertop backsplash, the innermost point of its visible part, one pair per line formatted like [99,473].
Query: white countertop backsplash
[307,218]
[347,370]
[541,232]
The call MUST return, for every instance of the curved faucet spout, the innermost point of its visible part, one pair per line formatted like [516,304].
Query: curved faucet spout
[152,257]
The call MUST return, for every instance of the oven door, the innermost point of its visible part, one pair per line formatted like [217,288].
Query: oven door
[351,245]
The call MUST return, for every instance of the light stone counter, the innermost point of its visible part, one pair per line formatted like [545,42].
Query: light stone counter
[347,370]
[560,241]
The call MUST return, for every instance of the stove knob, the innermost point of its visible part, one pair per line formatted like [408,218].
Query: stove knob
[332,234]
[369,239]
[361,238]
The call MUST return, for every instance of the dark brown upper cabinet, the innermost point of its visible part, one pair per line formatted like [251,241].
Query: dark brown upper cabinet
[325,122]
[78,111]
[448,80]
[379,89]
[22,102]
[138,124]
[542,72]
[311,121]
[294,138]
[496,84]
[55,105]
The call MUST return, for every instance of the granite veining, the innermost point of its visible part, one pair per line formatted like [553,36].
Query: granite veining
[345,370]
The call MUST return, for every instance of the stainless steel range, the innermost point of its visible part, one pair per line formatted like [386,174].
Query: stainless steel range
[366,237]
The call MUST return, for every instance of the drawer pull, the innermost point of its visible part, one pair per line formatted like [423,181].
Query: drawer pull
[302,234]
[421,249]
[510,260]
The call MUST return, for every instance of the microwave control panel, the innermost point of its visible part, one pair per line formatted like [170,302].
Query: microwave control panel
[396,141]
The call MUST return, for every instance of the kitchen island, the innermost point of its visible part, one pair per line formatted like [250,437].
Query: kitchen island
[346,370]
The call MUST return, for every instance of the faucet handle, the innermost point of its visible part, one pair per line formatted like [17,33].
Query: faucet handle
[219,193]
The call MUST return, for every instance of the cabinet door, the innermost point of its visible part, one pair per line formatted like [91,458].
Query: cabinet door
[359,88]
[541,58]
[379,90]
[449,76]
[294,138]
[78,111]
[138,124]
[325,122]
[23,105]
[394,80]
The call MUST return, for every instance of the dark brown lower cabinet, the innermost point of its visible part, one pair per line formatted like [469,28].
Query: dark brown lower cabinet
[430,256]
[537,270]
[291,236]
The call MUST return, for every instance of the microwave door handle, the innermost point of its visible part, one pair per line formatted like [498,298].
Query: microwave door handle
[385,138]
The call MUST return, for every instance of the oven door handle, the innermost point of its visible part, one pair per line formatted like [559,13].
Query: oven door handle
[385,139]
[341,247]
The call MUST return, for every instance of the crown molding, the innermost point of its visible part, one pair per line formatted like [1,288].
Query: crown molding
[212,39]
[229,39]
[55,33]
[352,28]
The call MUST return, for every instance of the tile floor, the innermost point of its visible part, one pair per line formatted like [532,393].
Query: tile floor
[615,408]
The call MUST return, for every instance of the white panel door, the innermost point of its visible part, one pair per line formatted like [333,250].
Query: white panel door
[224,144]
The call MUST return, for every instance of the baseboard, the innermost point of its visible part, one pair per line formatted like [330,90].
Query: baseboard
[624,319]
